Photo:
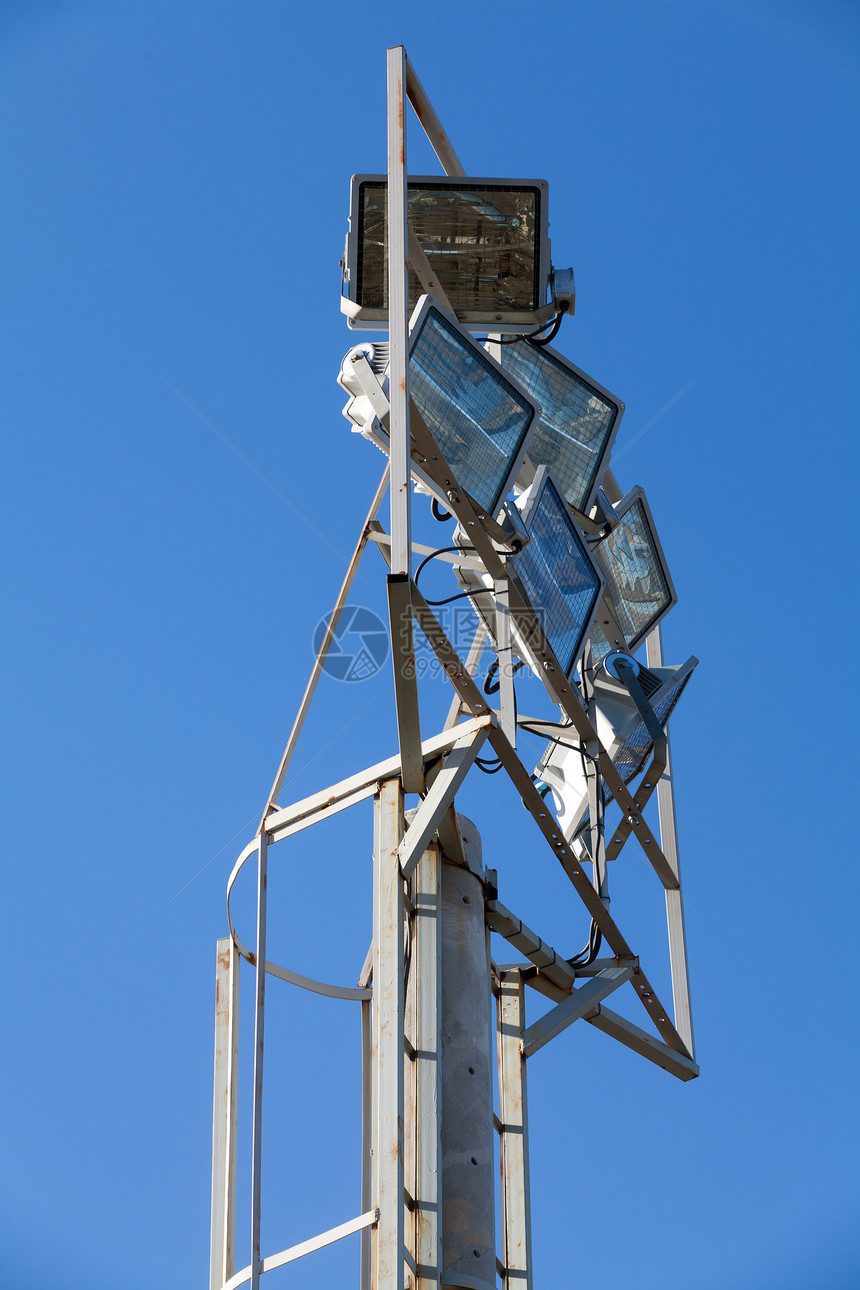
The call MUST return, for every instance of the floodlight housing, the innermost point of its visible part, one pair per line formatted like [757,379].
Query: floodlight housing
[622,732]
[479,415]
[487,242]
[638,584]
[555,571]
[578,425]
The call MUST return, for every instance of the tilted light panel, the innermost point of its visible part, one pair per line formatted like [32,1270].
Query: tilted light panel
[486,241]
[579,419]
[623,734]
[478,415]
[638,583]
[556,570]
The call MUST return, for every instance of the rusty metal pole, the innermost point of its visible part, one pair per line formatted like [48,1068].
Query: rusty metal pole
[224,1115]
[468,1185]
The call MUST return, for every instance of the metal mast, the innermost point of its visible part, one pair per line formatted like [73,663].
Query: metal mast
[426,1214]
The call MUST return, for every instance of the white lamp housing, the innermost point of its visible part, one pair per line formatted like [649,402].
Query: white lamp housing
[620,729]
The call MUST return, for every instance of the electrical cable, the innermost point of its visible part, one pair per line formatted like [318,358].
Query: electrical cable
[407,951]
[437,512]
[488,767]
[442,550]
[547,725]
[461,595]
[554,323]
[555,741]
[595,936]
[490,688]
[591,950]
[545,340]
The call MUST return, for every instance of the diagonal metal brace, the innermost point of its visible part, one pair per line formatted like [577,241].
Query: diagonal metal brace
[405,682]
[439,797]
[578,1004]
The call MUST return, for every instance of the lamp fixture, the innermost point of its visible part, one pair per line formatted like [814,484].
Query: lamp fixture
[555,572]
[480,416]
[638,585]
[579,420]
[486,240]
[621,730]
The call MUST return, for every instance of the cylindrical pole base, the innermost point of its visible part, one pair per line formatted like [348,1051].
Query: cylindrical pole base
[468,1173]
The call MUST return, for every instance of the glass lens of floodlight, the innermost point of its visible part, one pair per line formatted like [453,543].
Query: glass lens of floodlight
[557,575]
[576,425]
[631,757]
[636,749]
[635,580]
[481,241]
[478,419]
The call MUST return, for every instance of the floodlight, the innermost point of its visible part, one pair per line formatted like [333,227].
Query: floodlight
[479,415]
[486,241]
[555,571]
[621,730]
[638,585]
[579,420]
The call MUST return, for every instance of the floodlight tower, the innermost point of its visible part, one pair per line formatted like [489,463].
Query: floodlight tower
[567,578]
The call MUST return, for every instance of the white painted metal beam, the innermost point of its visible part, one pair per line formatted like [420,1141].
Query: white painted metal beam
[365,779]
[439,797]
[367,1134]
[674,899]
[401,484]
[224,1115]
[504,646]
[577,1005]
[273,1261]
[405,682]
[641,1042]
[514,1144]
[427,971]
[541,955]
[439,141]
[259,1026]
[476,649]
[388,1024]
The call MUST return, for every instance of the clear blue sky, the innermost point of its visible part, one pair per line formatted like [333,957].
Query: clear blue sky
[175,202]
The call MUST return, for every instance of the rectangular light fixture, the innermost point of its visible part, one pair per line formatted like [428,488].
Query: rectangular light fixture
[556,570]
[579,419]
[638,584]
[479,415]
[623,734]
[486,240]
